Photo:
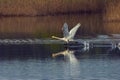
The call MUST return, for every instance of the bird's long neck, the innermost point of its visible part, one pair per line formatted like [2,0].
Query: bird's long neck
[62,39]
[57,38]
[57,54]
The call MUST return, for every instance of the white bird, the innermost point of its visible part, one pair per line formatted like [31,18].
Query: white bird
[68,35]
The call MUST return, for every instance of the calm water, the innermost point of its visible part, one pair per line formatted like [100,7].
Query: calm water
[55,62]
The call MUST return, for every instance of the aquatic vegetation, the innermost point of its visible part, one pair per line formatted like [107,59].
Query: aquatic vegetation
[45,7]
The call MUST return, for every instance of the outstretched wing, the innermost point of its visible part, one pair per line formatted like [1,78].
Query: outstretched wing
[65,30]
[73,31]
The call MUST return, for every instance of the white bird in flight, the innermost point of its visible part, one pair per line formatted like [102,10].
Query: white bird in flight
[68,35]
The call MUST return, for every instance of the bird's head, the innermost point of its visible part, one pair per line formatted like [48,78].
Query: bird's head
[53,36]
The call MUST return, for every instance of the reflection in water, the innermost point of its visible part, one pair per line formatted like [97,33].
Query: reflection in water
[78,65]
[113,46]
[72,66]
[68,54]
[119,46]
[86,46]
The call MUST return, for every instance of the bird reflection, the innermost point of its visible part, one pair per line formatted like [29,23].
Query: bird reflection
[85,48]
[118,46]
[68,55]
[72,66]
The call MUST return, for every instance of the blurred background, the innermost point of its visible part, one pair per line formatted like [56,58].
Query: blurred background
[44,18]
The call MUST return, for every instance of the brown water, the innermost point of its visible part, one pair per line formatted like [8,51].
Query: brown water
[46,26]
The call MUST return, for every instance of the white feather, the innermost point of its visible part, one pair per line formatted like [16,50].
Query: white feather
[67,36]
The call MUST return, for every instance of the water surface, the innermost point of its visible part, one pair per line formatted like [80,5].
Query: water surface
[27,56]
[36,62]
